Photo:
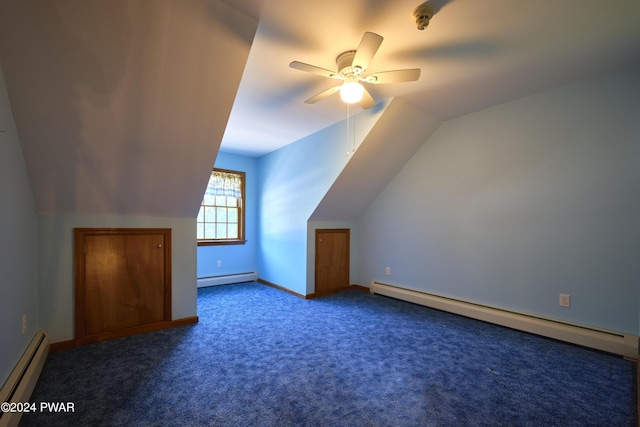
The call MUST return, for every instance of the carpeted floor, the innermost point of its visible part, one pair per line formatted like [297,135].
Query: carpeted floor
[261,357]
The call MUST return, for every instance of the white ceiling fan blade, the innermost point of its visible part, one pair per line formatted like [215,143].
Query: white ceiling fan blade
[314,70]
[395,76]
[323,95]
[368,47]
[367,100]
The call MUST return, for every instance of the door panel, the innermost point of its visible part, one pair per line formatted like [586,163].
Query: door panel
[122,279]
[332,260]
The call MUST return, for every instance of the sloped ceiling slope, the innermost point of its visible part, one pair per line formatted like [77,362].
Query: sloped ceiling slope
[393,140]
[473,55]
[121,107]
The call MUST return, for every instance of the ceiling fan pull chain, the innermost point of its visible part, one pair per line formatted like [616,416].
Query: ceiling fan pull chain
[348,129]
[354,135]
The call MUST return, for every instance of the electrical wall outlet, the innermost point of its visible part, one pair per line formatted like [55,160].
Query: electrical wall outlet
[219,263]
[24,324]
[565,300]
[387,271]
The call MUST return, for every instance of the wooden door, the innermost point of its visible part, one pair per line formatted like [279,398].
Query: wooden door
[332,261]
[122,281]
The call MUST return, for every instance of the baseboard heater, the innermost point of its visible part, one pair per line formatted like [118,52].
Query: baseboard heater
[613,342]
[227,279]
[23,378]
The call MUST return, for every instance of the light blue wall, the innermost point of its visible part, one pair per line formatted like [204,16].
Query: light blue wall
[56,287]
[235,258]
[291,183]
[18,245]
[512,205]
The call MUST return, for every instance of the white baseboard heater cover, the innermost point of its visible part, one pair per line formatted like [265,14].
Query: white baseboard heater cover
[227,279]
[613,342]
[23,378]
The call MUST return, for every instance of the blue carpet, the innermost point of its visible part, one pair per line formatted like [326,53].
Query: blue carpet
[261,357]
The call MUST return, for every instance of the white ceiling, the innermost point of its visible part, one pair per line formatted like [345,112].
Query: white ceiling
[121,107]
[473,55]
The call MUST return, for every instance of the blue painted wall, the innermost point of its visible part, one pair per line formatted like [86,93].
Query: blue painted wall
[235,258]
[18,245]
[515,204]
[291,183]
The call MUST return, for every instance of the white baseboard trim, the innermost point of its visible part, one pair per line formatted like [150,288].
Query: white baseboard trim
[23,378]
[227,279]
[613,342]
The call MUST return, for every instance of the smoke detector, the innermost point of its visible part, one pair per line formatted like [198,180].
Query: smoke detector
[423,15]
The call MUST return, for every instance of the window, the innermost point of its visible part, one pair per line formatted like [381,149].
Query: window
[221,216]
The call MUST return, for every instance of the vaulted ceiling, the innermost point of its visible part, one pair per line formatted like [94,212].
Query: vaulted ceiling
[473,54]
[121,107]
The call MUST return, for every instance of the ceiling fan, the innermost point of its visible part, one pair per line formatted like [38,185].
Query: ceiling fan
[352,66]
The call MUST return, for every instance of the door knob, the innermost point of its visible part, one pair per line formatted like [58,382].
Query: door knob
[159,246]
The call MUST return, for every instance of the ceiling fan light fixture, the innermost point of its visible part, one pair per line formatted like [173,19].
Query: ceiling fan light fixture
[351,92]
[352,69]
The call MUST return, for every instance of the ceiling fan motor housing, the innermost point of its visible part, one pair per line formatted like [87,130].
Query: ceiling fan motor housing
[344,61]
[423,15]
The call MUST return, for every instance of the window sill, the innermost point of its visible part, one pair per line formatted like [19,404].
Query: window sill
[221,242]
